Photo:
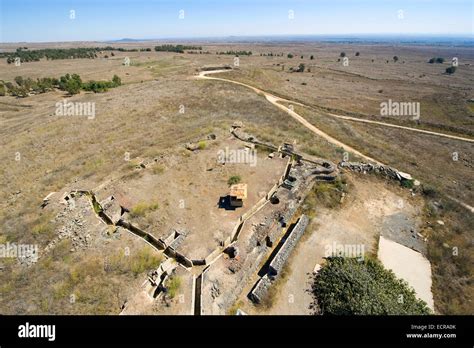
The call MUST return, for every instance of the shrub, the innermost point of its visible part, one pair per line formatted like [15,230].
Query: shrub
[202,145]
[407,183]
[173,286]
[142,208]
[144,260]
[346,286]
[73,86]
[438,60]
[342,55]
[234,179]
[43,228]
[116,81]
[290,55]
[450,70]
[429,191]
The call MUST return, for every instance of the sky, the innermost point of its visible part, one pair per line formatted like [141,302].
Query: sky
[87,20]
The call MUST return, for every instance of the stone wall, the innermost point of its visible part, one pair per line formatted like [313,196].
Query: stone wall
[276,265]
[390,172]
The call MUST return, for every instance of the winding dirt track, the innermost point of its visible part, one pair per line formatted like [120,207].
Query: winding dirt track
[276,101]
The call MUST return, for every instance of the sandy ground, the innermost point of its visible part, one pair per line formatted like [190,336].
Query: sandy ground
[188,192]
[409,265]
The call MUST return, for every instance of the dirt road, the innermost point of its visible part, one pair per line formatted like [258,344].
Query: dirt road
[276,101]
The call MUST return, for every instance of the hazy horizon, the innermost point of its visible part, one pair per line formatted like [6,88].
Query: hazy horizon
[423,39]
[106,20]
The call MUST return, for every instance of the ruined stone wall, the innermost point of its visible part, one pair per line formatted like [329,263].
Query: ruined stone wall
[276,265]
[390,172]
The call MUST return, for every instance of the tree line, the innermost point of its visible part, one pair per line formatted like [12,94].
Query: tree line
[70,83]
[176,48]
[26,55]
[236,53]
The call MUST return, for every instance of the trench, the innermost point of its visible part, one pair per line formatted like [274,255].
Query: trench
[264,269]
[161,246]
[197,295]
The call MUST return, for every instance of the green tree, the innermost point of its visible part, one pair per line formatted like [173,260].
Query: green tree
[311,58]
[73,84]
[451,70]
[290,55]
[342,55]
[348,286]
[116,81]
[395,59]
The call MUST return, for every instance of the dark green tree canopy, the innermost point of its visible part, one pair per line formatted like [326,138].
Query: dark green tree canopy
[348,286]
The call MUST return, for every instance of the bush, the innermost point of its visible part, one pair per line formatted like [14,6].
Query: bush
[438,60]
[235,179]
[300,68]
[142,208]
[173,286]
[342,55]
[116,81]
[429,191]
[290,55]
[451,70]
[42,228]
[346,286]
[73,85]
[202,145]
[407,183]
[145,260]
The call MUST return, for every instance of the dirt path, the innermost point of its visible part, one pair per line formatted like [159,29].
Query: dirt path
[348,118]
[276,101]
